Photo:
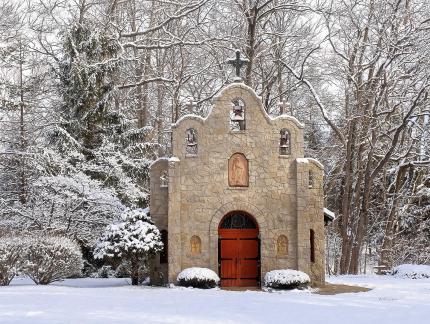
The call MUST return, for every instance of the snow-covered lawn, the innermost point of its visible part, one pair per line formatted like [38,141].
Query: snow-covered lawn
[392,300]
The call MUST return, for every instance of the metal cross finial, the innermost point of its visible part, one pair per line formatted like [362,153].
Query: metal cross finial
[237,62]
[190,105]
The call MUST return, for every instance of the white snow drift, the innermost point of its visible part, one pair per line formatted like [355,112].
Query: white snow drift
[412,271]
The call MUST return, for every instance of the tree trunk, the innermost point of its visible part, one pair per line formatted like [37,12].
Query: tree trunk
[346,199]
[159,118]
[250,49]
[134,271]
[22,178]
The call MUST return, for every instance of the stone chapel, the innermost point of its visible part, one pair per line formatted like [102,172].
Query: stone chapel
[237,196]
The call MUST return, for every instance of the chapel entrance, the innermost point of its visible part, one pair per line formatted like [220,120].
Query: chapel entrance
[239,250]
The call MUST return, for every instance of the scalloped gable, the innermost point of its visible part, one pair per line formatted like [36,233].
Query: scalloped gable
[227,92]
[232,87]
[197,118]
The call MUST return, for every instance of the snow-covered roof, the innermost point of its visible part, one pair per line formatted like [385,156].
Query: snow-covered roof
[174,159]
[329,216]
[316,162]
[302,160]
[159,160]
[311,160]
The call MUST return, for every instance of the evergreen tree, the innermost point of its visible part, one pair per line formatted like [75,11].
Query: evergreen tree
[95,135]
[132,240]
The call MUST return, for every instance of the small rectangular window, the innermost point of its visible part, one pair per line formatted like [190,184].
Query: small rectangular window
[312,243]
[164,253]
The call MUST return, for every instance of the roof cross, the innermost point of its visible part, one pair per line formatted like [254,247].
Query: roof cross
[237,62]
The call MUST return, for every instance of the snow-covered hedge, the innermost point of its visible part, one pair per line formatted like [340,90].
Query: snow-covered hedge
[198,278]
[10,258]
[51,258]
[411,271]
[286,279]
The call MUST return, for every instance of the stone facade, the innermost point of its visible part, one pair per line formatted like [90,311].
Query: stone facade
[284,191]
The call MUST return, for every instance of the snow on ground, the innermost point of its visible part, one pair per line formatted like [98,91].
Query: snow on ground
[392,300]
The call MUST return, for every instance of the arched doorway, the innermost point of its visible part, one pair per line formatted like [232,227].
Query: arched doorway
[239,250]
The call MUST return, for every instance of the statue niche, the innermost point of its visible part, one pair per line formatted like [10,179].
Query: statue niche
[282,245]
[238,175]
[196,245]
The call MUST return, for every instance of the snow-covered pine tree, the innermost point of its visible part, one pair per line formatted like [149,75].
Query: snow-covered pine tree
[133,240]
[92,161]
[106,144]
[98,163]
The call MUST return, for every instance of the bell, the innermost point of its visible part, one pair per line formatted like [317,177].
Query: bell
[191,140]
[238,113]
[284,140]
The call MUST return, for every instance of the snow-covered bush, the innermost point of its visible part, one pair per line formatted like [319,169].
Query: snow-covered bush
[286,279]
[10,258]
[411,271]
[73,204]
[51,258]
[198,278]
[133,241]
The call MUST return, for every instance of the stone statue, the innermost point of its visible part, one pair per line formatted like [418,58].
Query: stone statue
[196,245]
[282,245]
[238,171]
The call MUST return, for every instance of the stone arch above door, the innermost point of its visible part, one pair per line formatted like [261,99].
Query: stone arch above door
[259,217]
[240,205]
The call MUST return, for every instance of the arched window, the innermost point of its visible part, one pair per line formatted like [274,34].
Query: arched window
[191,141]
[164,252]
[312,244]
[195,245]
[164,179]
[282,245]
[238,220]
[284,142]
[237,115]
[311,179]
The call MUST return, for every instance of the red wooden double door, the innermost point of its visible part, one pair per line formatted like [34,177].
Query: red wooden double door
[239,256]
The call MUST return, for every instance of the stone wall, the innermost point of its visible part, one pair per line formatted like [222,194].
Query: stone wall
[310,217]
[159,210]
[278,195]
